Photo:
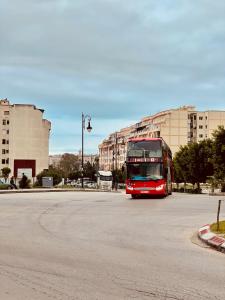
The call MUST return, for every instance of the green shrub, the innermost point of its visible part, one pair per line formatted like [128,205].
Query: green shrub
[36,184]
[51,172]
[4,187]
[223,188]
[213,227]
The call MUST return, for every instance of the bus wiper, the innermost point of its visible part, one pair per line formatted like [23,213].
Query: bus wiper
[152,178]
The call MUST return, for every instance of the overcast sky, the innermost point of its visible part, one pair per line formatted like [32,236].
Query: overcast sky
[116,60]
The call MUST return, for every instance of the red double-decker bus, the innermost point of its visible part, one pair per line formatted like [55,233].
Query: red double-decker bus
[149,167]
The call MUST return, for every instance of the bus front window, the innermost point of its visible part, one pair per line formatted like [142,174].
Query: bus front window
[145,171]
[145,149]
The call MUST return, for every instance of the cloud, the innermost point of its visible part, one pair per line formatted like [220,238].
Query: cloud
[66,133]
[116,60]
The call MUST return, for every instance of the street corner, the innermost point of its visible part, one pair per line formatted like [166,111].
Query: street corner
[211,239]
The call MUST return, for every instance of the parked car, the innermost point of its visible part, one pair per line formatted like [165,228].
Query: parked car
[90,184]
[71,182]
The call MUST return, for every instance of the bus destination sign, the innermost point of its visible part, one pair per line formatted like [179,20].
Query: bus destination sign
[143,159]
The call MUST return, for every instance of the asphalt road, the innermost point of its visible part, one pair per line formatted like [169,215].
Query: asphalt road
[106,246]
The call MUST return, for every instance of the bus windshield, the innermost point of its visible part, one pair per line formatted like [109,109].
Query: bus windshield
[145,171]
[144,148]
[105,178]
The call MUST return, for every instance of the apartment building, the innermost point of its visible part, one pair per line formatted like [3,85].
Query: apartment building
[177,127]
[24,136]
[54,159]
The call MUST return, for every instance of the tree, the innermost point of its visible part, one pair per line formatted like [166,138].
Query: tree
[5,172]
[69,164]
[178,175]
[219,155]
[193,163]
[180,162]
[89,170]
[75,175]
[96,164]
[51,172]
[199,162]
[121,175]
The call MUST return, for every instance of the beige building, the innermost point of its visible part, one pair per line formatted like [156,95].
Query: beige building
[176,126]
[24,139]
[55,158]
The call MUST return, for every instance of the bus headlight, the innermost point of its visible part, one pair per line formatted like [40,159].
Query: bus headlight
[160,187]
[130,187]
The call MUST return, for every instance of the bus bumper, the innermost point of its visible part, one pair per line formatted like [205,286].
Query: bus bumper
[149,191]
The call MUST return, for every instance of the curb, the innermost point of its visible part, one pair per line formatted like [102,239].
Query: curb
[211,239]
[58,190]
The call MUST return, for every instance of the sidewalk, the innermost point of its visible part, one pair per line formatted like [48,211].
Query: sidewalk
[211,239]
[46,190]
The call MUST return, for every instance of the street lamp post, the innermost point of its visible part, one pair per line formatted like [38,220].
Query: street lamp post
[89,128]
[115,159]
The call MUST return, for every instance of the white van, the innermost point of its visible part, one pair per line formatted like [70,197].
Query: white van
[104,180]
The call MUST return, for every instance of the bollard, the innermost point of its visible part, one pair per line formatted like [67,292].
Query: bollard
[218,215]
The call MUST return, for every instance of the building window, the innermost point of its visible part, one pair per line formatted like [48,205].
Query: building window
[200,127]
[7,161]
[5,131]
[206,126]
[206,118]
[6,113]
[3,141]
[201,135]
[5,151]
[3,161]
[200,118]
[5,122]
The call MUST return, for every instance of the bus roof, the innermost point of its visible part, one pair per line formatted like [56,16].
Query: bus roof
[105,173]
[139,139]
